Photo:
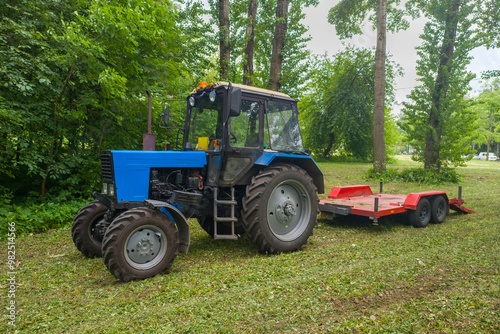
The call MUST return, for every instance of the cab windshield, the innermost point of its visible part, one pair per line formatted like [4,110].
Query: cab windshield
[205,125]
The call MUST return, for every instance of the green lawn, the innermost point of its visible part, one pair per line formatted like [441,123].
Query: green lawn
[350,277]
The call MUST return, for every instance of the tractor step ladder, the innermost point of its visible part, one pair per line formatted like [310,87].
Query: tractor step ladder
[232,202]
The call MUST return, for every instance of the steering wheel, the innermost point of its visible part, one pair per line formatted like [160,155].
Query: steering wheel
[233,138]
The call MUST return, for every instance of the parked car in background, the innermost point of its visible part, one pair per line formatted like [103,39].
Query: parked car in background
[483,155]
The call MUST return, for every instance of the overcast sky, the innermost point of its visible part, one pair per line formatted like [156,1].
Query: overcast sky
[401,46]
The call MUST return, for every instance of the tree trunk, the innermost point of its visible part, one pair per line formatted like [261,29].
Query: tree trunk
[224,39]
[433,138]
[379,90]
[330,144]
[489,140]
[278,44]
[250,42]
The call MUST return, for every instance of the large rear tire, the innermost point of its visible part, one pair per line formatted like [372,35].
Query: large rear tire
[140,243]
[422,215]
[280,209]
[85,230]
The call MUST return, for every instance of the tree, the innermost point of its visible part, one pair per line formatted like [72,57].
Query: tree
[379,99]
[250,43]
[337,113]
[73,82]
[348,17]
[295,55]
[278,44]
[437,120]
[224,47]
[487,107]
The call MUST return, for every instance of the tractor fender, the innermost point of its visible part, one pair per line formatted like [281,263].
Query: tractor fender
[303,161]
[178,219]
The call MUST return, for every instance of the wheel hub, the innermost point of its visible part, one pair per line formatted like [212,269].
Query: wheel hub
[285,211]
[143,246]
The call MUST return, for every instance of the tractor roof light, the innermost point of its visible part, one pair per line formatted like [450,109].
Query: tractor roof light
[203,84]
[191,101]
[212,96]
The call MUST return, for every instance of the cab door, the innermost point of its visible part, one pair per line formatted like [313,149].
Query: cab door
[245,141]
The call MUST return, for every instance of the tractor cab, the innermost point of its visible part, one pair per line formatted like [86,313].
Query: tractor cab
[235,125]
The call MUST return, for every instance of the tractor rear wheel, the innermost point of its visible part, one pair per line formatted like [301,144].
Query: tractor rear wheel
[140,243]
[86,231]
[280,209]
[422,215]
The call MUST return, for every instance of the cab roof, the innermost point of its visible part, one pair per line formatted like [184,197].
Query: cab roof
[248,88]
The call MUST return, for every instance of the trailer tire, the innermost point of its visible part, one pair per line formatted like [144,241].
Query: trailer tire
[280,209]
[85,235]
[439,208]
[422,215]
[207,224]
[139,244]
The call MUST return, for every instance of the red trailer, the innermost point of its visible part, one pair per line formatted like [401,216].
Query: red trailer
[422,208]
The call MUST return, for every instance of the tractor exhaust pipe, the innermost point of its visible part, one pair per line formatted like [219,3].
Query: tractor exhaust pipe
[148,139]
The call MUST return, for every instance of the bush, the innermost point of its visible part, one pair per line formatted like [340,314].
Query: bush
[33,217]
[419,175]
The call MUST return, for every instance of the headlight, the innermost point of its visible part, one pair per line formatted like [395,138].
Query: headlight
[104,188]
[191,101]
[111,190]
[211,96]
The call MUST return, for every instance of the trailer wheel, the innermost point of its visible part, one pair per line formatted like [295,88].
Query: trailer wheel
[207,223]
[422,215]
[280,209]
[85,232]
[140,243]
[438,209]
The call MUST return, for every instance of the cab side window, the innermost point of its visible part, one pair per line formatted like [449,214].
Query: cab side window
[245,127]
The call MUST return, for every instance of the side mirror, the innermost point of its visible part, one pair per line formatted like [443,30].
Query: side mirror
[235,96]
[166,114]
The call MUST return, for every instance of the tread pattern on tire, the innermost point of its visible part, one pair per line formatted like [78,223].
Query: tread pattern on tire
[251,204]
[414,215]
[79,230]
[111,250]
[435,219]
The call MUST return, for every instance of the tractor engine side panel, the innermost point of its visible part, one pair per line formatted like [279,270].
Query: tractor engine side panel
[132,169]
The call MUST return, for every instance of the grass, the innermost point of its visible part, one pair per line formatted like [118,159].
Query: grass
[350,277]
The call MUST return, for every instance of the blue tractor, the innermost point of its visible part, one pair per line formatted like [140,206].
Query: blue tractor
[242,168]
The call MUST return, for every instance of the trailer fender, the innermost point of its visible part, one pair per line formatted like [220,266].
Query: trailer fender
[412,199]
[179,220]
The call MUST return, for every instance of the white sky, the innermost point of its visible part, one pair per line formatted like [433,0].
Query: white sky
[400,45]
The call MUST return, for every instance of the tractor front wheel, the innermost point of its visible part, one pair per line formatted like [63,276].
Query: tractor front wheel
[280,209]
[87,230]
[140,243]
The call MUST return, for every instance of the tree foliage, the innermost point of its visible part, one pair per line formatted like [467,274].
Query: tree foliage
[350,16]
[487,108]
[337,112]
[73,82]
